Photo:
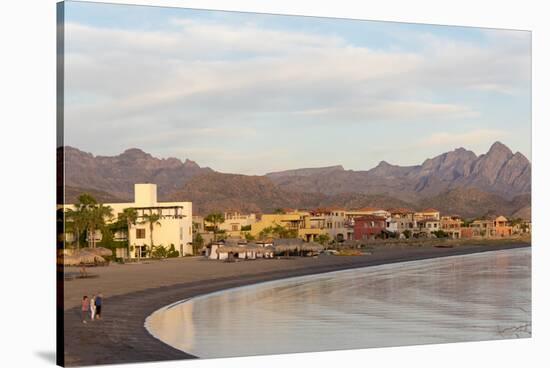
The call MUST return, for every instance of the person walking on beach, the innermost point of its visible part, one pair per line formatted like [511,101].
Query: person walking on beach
[98,303]
[92,308]
[85,308]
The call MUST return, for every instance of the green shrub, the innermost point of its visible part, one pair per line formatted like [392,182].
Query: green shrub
[440,234]
[323,239]
[172,252]
[159,252]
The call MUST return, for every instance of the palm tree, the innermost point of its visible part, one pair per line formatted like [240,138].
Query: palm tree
[197,243]
[129,217]
[152,219]
[216,219]
[266,232]
[79,216]
[75,222]
[86,200]
[96,220]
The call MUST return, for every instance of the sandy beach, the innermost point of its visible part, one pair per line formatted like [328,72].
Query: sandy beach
[134,291]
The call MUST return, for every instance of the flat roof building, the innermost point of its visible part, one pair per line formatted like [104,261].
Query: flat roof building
[174,226]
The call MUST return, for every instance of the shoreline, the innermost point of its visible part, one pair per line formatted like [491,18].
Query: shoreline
[121,337]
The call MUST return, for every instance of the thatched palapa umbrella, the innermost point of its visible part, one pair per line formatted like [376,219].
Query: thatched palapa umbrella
[266,249]
[99,251]
[253,247]
[312,247]
[80,258]
[86,257]
[287,245]
[231,249]
[351,243]
[69,260]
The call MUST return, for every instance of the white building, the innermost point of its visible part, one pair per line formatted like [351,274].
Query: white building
[173,227]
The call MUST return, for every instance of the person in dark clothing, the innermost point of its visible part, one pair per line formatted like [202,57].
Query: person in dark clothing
[98,304]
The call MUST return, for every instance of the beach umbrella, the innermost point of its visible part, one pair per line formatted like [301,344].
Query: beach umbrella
[100,251]
[287,245]
[231,249]
[253,247]
[233,241]
[312,247]
[266,249]
[352,243]
[69,260]
[87,257]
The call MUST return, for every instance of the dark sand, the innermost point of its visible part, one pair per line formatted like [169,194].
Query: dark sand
[134,291]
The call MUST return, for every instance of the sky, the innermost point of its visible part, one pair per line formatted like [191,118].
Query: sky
[255,93]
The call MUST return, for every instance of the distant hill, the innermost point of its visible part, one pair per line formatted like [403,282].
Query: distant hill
[456,182]
[216,191]
[72,193]
[118,174]
[499,171]
[357,200]
[471,202]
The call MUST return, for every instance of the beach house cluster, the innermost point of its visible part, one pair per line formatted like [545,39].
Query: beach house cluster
[172,225]
[339,225]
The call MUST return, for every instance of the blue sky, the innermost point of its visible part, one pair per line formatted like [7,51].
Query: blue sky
[254,93]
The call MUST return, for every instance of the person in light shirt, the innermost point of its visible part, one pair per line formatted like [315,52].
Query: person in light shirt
[92,308]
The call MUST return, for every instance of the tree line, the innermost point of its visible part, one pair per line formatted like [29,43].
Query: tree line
[89,216]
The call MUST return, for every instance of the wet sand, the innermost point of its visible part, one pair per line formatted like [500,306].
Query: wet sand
[134,291]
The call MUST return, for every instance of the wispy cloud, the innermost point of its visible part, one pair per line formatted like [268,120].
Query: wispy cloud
[473,137]
[208,81]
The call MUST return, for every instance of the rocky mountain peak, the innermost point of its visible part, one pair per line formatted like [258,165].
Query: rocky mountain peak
[383,164]
[189,164]
[135,153]
[117,174]
[499,150]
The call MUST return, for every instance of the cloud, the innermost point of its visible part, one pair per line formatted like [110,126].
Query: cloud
[196,79]
[473,137]
[400,111]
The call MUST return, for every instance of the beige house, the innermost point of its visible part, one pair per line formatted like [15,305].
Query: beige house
[452,225]
[336,223]
[366,211]
[429,213]
[300,221]
[493,226]
[428,225]
[234,222]
[523,227]
[403,218]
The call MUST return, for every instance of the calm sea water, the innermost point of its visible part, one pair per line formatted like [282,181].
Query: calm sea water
[461,298]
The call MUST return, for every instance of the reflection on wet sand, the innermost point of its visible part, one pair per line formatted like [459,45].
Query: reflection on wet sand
[463,298]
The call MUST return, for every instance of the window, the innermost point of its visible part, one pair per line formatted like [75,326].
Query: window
[140,233]
[234,227]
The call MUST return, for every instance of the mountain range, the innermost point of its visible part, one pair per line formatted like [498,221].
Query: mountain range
[457,182]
